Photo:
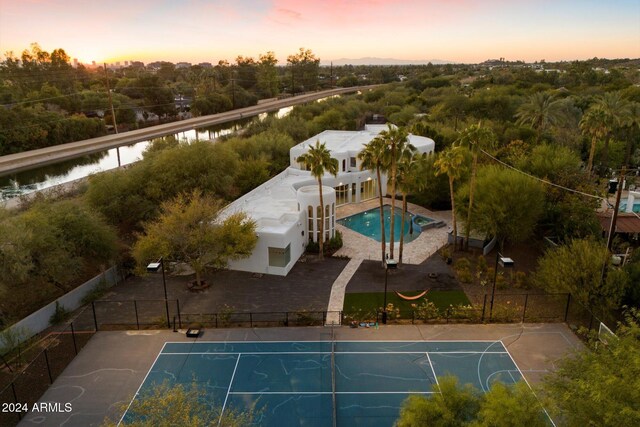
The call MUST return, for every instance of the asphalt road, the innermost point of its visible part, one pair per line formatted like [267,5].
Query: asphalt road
[13,163]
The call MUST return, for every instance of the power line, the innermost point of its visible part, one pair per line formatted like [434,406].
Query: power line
[544,181]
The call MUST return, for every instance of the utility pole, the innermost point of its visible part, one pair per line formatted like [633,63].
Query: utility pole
[113,114]
[331,79]
[614,215]
[233,89]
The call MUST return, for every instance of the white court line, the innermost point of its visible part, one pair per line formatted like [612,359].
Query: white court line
[141,384]
[328,352]
[432,370]
[329,392]
[530,388]
[345,341]
[229,389]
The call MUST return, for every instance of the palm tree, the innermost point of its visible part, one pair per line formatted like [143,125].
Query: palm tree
[450,162]
[541,111]
[395,141]
[475,138]
[594,123]
[372,158]
[319,161]
[617,111]
[410,178]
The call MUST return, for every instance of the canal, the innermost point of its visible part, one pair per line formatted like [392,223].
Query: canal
[71,170]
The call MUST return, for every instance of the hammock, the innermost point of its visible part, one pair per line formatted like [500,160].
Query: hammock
[413,298]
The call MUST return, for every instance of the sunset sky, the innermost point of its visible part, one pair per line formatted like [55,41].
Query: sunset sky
[209,30]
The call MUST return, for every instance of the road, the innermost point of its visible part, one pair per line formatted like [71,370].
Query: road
[27,160]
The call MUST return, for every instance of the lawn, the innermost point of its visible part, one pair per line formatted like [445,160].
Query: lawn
[367,301]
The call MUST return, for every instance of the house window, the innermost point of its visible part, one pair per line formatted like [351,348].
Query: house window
[279,257]
[352,162]
[344,165]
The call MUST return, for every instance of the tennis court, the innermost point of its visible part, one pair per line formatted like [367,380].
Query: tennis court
[324,383]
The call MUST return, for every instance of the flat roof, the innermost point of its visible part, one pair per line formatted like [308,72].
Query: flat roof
[345,141]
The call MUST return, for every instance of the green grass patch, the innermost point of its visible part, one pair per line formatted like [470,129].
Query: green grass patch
[372,300]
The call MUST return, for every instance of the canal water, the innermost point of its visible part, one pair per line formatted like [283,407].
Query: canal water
[71,170]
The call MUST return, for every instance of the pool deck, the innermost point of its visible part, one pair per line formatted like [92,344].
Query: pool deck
[359,247]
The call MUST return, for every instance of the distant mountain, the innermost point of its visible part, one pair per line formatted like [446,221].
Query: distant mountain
[385,61]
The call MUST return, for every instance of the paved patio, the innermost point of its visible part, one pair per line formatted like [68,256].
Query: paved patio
[358,246]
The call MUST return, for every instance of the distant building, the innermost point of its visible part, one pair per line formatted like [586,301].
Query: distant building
[286,208]
[183,65]
[206,64]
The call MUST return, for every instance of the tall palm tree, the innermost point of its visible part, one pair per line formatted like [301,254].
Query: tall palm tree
[618,114]
[450,162]
[395,140]
[541,111]
[319,161]
[594,123]
[475,138]
[372,158]
[410,178]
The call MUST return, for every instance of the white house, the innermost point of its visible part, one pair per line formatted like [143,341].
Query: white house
[287,207]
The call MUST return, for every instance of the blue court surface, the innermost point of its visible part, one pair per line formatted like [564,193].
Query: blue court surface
[308,383]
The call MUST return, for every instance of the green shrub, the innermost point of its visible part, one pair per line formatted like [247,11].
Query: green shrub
[482,265]
[426,310]
[60,315]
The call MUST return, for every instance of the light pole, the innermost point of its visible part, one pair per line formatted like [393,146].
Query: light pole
[154,267]
[505,262]
[389,264]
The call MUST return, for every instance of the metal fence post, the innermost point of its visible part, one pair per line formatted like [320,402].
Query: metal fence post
[286,318]
[95,318]
[216,317]
[179,317]
[251,319]
[135,308]
[73,335]
[46,359]
[15,398]
[524,311]
[484,307]
[566,310]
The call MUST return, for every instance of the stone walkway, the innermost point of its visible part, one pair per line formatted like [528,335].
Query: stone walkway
[359,248]
[336,299]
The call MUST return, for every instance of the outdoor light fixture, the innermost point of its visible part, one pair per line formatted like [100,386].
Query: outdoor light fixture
[505,262]
[153,267]
[390,264]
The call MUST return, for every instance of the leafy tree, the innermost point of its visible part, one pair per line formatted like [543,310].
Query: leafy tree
[600,386]
[450,162]
[475,138]
[372,157]
[303,68]
[190,230]
[577,268]
[541,111]
[168,405]
[319,161]
[450,406]
[510,406]
[267,75]
[508,204]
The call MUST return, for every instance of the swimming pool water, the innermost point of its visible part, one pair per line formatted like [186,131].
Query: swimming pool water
[623,206]
[367,223]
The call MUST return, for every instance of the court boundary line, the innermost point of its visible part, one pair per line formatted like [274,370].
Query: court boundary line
[329,392]
[305,341]
[224,405]
[141,384]
[530,388]
[435,377]
[253,353]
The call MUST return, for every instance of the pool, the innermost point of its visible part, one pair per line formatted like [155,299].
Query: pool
[367,223]
[636,206]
